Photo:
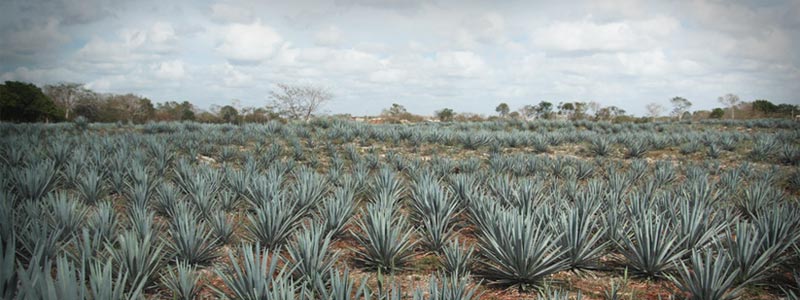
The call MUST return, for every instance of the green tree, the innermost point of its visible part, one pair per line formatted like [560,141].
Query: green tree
[396,110]
[764,106]
[229,114]
[25,102]
[544,109]
[502,109]
[445,114]
[717,113]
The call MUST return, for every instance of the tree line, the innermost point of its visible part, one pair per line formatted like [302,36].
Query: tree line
[26,102]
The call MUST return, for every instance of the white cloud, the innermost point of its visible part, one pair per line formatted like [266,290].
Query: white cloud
[328,36]
[461,63]
[249,43]
[170,70]
[226,12]
[587,35]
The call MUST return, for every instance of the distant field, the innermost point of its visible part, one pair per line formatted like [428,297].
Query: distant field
[334,209]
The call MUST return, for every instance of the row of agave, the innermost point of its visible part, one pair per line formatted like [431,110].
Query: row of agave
[600,139]
[119,222]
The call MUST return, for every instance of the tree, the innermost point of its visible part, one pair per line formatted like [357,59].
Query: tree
[654,110]
[396,111]
[229,114]
[445,114]
[730,100]
[764,106]
[67,94]
[544,109]
[717,113]
[299,101]
[788,110]
[25,102]
[502,109]
[528,112]
[566,108]
[679,106]
[608,113]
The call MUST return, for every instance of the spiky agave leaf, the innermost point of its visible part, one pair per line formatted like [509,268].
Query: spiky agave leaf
[310,255]
[183,281]
[308,190]
[252,274]
[139,258]
[518,250]
[65,213]
[652,246]
[435,211]
[386,239]
[582,236]
[711,277]
[190,240]
[222,226]
[273,223]
[8,272]
[91,186]
[104,285]
[456,258]
[751,252]
[35,181]
[342,287]
[337,210]
[448,288]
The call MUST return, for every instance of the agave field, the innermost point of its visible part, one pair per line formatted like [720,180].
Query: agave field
[335,209]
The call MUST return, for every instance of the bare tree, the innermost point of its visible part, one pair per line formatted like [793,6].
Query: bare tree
[299,101]
[66,95]
[680,105]
[654,110]
[730,100]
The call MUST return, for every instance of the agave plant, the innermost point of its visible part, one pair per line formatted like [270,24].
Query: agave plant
[308,191]
[653,246]
[222,227]
[582,236]
[337,210]
[386,239]
[91,186]
[190,240]
[456,258]
[435,211]
[342,287]
[757,197]
[35,181]
[66,214]
[8,272]
[273,223]
[253,274]
[600,147]
[140,259]
[448,288]
[711,277]
[519,251]
[310,255]
[183,281]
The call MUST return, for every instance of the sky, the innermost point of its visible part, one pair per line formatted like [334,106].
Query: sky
[425,55]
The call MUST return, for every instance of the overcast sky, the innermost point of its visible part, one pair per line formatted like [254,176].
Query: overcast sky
[425,55]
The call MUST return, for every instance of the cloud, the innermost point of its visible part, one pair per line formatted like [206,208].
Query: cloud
[328,36]
[589,36]
[249,43]
[225,12]
[170,70]
[460,63]
[40,37]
